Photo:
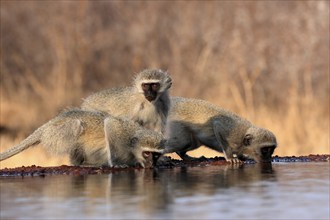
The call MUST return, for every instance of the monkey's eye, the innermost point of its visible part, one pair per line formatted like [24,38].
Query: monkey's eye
[146,154]
[156,156]
[145,86]
[155,86]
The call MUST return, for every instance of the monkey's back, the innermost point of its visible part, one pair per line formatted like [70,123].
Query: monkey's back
[115,101]
[74,127]
[197,111]
[199,116]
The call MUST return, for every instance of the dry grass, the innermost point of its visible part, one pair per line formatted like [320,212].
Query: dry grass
[267,61]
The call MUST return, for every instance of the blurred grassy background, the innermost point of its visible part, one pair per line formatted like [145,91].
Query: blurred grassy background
[265,60]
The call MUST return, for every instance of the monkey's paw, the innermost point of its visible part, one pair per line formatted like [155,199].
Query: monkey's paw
[234,161]
[164,160]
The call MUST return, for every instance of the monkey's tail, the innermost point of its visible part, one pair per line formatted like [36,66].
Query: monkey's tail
[31,140]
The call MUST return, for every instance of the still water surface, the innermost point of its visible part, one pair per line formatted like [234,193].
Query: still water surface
[280,191]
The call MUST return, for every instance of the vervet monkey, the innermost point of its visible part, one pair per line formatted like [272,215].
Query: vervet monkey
[145,102]
[194,122]
[95,139]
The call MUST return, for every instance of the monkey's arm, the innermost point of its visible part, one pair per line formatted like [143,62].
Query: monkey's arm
[113,139]
[107,135]
[218,130]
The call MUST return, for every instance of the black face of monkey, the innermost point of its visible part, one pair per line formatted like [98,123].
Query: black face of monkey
[259,144]
[151,158]
[266,153]
[150,90]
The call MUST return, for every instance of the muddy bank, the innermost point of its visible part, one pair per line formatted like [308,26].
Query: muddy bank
[167,163]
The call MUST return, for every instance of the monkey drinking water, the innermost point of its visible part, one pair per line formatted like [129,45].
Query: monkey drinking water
[95,139]
[194,122]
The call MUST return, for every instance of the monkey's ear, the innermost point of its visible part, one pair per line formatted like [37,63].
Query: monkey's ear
[169,83]
[247,139]
[133,141]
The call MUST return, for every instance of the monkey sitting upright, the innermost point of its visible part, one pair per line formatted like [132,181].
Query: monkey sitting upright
[95,139]
[145,102]
[192,123]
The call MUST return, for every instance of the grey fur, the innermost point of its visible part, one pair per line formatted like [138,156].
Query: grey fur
[130,101]
[194,122]
[93,139]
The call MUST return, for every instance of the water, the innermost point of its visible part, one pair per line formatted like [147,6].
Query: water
[280,191]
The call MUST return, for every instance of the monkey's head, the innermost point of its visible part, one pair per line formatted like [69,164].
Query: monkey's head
[152,83]
[258,144]
[130,144]
[147,146]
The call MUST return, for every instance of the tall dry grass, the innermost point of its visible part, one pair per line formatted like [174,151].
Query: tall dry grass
[267,61]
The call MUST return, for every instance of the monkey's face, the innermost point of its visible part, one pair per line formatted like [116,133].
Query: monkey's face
[147,158]
[152,83]
[150,90]
[259,144]
[150,158]
[148,148]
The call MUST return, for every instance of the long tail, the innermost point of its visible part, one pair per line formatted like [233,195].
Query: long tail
[31,140]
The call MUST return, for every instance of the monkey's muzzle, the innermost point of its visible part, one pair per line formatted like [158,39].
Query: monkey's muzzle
[266,154]
[150,95]
[150,98]
[151,158]
[260,155]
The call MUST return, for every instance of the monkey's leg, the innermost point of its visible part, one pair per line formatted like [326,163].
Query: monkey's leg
[77,156]
[184,156]
[186,141]
[223,145]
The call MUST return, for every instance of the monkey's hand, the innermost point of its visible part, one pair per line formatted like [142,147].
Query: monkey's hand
[233,159]
[164,160]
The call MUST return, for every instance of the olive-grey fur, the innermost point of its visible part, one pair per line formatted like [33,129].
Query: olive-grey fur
[127,141]
[194,122]
[130,101]
[82,135]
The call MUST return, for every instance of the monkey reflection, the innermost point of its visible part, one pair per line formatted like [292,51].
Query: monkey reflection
[141,191]
[208,180]
[148,185]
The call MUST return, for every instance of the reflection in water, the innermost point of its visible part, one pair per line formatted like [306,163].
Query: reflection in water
[245,191]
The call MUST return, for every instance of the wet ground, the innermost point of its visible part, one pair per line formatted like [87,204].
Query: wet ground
[169,163]
[289,188]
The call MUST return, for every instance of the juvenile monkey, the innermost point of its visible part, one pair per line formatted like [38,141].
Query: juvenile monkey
[95,139]
[193,123]
[145,102]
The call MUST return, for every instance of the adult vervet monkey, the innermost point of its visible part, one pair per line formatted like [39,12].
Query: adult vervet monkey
[146,101]
[194,122]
